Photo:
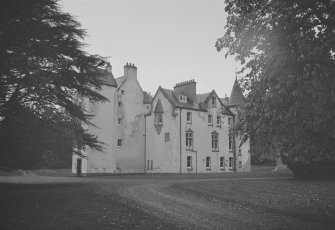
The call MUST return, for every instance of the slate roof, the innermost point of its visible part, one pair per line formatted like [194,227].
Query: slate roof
[146,98]
[120,81]
[236,96]
[200,104]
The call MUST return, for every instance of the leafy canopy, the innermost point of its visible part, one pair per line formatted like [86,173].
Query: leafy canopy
[42,62]
[44,71]
[287,48]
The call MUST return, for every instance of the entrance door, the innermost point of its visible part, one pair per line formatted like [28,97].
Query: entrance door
[78,166]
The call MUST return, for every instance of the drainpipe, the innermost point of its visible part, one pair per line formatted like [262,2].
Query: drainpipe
[180,142]
[234,146]
[145,143]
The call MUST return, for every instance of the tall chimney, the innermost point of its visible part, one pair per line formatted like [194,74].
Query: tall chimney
[188,88]
[130,71]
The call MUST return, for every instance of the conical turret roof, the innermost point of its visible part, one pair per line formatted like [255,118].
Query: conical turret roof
[236,96]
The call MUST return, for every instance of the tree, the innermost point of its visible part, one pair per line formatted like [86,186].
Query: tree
[287,49]
[44,71]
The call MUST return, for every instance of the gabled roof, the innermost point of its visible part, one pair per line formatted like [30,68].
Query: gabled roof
[236,96]
[120,81]
[173,98]
[203,99]
[159,107]
[146,98]
[200,104]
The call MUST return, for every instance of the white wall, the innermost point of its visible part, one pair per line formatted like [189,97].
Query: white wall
[130,156]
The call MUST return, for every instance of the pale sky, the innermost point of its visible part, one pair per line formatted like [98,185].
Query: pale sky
[169,41]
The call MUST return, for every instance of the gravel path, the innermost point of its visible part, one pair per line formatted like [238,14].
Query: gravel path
[183,209]
[195,212]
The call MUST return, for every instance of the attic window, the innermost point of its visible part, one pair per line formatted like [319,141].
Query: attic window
[182,98]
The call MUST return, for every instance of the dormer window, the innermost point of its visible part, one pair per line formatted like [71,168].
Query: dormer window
[182,98]
[213,101]
[159,116]
[159,119]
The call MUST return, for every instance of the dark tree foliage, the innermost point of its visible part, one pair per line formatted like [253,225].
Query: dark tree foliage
[43,67]
[287,48]
[28,141]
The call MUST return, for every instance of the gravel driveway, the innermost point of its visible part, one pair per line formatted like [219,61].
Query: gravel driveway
[156,196]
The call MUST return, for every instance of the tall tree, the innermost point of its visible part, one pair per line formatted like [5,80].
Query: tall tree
[43,67]
[287,48]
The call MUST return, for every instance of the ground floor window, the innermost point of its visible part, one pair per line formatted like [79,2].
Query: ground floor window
[152,164]
[208,162]
[240,164]
[167,137]
[221,162]
[148,164]
[231,162]
[119,142]
[189,162]
[230,142]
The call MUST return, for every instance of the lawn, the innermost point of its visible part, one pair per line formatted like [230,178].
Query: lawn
[305,200]
[69,206]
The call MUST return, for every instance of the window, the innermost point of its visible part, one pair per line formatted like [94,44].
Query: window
[231,162]
[215,141]
[148,164]
[189,162]
[119,103]
[182,98]
[240,164]
[230,144]
[213,101]
[239,152]
[210,119]
[189,117]
[218,121]
[208,162]
[221,162]
[189,139]
[159,119]
[119,142]
[119,121]
[152,164]
[122,92]
[167,137]
[230,121]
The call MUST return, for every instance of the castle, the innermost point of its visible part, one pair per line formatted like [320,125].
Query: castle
[176,131]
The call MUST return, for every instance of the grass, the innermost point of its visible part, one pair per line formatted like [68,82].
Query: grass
[305,200]
[69,206]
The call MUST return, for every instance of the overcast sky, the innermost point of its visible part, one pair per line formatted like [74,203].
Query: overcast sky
[168,40]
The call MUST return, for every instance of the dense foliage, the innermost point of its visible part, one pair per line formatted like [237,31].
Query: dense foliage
[43,70]
[287,49]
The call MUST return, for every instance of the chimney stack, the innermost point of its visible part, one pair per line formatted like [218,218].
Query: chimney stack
[188,88]
[130,71]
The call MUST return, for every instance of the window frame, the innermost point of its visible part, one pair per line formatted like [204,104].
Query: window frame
[189,162]
[182,98]
[189,142]
[158,121]
[210,117]
[222,163]
[119,143]
[189,118]
[218,118]
[167,137]
[208,162]
[215,141]
[230,142]
[119,121]
[231,162]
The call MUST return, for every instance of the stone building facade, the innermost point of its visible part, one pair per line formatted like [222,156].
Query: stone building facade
[176,131]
